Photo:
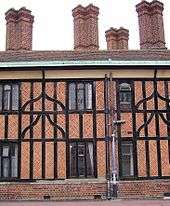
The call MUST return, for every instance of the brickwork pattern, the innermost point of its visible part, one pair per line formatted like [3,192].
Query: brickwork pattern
[25,161]
[127,126]
[87,126]
[2,129]
[37,160]
[27,191]
[61,155]
[19,29]
[25,94]
[117,39]
[13,130]
[151,26]
[99,95]
[141,154]
[101,159]
[153,158]
[100,118]
[86,28]
[49,160]
[164,160]
[143,189]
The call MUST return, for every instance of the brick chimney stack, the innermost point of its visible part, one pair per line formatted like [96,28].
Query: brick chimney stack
[19,26]
[86,28]
[158,24]
[151,26]
[117,39]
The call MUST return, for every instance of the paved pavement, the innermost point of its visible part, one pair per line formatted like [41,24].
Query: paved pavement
[89,203]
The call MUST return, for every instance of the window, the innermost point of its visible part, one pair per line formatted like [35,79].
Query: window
[127,159]
[81,159]
[8,160]
[80,96]
[9,97]
[125,94]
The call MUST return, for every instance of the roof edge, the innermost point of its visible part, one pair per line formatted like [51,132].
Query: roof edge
[84,63]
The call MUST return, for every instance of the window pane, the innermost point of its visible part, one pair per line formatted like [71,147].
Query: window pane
[72,96]
[0,97]
[88,89]
[14,167]
[89,159]
[14,160]
[80,96]
[81,149]
[14,150]
[125,93]
[126,169]
[5,152]
[127,159]
[81,165]
[9,161]
[6,167]
[125,86]
[15,96]
[73,165]
[81,159]
[7,94]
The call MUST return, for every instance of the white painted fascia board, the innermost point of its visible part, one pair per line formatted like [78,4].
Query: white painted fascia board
[83,63]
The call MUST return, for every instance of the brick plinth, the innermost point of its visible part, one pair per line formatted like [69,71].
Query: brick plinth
[53,191]
[143,189]
[79,189]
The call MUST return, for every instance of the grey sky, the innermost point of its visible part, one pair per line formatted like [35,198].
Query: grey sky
[53,26]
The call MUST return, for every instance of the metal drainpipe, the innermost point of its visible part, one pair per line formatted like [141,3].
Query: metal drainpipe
[114,169]
[114,181]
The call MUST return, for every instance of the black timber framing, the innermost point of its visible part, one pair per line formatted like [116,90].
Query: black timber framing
[66,112]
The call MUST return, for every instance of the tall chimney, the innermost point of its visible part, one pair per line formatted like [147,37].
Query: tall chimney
[19,29]
[86,28]
[79,28]
[11,38]
[111,39]
[123,37]
[92,27]
[117,39]
[157,24]
[151,28]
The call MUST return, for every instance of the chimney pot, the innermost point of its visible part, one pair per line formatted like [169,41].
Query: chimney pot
[79,10]
[117,38]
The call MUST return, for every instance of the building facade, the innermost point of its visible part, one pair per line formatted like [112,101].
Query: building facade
[58,109]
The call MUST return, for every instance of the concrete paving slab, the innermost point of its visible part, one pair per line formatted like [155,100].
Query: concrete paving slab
[88,203]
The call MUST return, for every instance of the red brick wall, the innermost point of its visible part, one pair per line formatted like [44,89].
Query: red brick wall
[143,188]
[56,191]
[83,190]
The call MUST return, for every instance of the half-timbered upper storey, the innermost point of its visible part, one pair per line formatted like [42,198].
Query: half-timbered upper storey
[87,115]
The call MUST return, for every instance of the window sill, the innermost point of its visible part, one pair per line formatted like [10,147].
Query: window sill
[51,182]
[125,106]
